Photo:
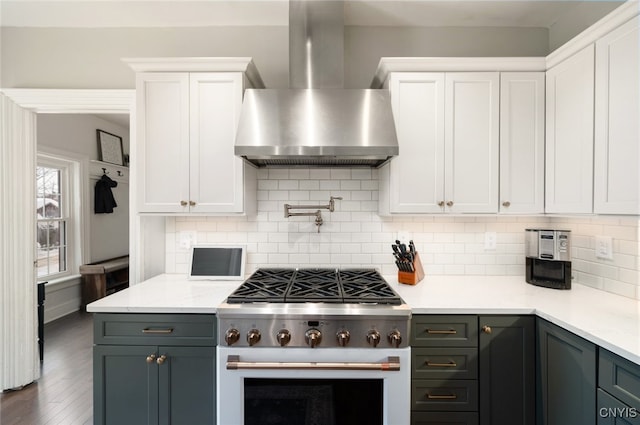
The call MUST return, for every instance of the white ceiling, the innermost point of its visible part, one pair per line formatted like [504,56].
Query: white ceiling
[187,13]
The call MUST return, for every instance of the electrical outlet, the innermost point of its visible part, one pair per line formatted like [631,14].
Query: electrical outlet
[604,247]
[490,240]
[187,239]
[404,237]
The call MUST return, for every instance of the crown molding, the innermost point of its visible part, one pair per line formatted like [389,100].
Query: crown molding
[454,64]
[199,64]
[99,101]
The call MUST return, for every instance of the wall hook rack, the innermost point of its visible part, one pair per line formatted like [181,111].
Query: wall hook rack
[318,214]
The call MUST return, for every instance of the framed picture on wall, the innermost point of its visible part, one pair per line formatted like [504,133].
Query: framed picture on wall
[110,148]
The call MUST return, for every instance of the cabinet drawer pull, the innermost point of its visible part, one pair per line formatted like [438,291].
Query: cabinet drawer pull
[441,331]
[441,396]
[433,364]
[157,331]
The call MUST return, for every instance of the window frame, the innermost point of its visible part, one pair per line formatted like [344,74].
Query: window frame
[69,194]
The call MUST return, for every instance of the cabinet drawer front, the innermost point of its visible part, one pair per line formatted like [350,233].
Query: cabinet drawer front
[444,418]
[444,395]
[444,363]
[620,378]
[444,331]
[612,411]
[156,329]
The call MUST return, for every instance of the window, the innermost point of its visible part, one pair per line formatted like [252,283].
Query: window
[53,221]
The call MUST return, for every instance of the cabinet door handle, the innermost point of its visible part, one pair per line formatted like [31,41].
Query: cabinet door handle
[433,364]
[192,203]
[441,204]
[450,203]
[157,331]
[441,331]
[486,329]
[506,204]
[441,396]
[183,203]
[161,359]
[151,358]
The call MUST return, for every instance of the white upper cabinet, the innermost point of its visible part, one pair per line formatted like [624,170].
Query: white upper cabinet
[471,142]
[417,174]
[522,142]
[186,125]
[569,134]
[216,178]
[447,126]
[162,141]
[617,114]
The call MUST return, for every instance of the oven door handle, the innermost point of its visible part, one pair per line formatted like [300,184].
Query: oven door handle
[392,364]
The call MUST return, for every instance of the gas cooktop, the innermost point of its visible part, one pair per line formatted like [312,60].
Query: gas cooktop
[322,285]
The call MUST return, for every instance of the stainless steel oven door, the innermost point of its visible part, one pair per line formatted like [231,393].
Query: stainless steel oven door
[246,376]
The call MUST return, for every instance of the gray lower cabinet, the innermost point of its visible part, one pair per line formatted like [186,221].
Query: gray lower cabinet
[444,370]
[507,370]
[154,369]
[469,370]
[566,377]
[618,390]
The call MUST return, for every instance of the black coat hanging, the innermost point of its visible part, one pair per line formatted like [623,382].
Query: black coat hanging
[104,200]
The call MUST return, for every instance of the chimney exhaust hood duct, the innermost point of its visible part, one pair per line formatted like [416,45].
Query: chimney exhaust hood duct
[316,122]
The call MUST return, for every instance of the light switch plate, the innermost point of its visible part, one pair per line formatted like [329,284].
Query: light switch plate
[604,247]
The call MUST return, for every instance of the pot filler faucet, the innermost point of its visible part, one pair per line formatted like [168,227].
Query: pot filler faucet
[318,214]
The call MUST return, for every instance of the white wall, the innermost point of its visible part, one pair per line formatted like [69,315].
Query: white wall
[580,17]
[76,134]
[354,235]
[364,46]
[91,57]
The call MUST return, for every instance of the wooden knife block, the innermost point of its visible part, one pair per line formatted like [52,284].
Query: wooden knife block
[411,278]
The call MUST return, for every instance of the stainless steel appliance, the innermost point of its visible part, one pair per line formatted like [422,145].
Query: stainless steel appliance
[310,346]
[548,258]
[316,121]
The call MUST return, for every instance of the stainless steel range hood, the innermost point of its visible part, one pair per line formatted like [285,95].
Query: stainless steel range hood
[316,122]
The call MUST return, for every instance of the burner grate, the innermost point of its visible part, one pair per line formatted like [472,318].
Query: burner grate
[315,285]
[367,286]
[264,285]
[280,285]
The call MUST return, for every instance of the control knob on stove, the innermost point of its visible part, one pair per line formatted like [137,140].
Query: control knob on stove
[253,336]
[313,337]
[283,336]
[231,336]
[343,338]
[373,338]
[395,338]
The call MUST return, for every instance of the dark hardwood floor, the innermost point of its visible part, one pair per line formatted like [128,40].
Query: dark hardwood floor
[64,393]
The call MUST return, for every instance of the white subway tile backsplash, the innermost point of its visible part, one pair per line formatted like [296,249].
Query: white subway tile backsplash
[354,235]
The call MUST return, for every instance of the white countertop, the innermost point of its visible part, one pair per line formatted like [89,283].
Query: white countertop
[167,293]
[605,319]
